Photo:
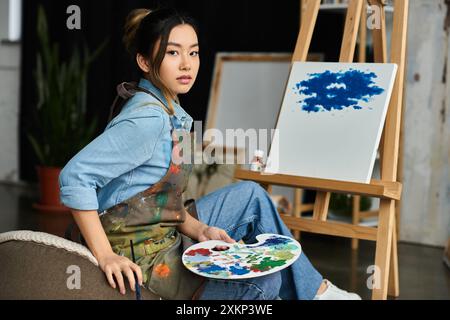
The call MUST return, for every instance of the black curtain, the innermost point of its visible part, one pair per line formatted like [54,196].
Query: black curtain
[225,25]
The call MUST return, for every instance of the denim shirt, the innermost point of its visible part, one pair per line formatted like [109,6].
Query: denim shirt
[132,154]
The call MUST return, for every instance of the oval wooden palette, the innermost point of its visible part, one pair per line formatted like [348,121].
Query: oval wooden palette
[221,260]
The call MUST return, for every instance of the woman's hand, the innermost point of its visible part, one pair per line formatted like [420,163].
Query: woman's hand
[214,233]
[113,264]
[199,231]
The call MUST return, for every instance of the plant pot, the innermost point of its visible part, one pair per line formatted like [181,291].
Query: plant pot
[49,191]
[343,215]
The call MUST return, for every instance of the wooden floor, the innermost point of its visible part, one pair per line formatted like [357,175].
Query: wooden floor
[423,275]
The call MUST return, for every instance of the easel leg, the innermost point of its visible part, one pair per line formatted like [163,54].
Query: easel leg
[394,286]
[355,217]
[354,271]
[321,205]
[383,249]
[267,187]
[298,196]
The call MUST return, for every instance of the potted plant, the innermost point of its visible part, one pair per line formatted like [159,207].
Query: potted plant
[60,124]
[342,204]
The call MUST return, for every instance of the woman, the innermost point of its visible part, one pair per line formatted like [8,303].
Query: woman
[131,163]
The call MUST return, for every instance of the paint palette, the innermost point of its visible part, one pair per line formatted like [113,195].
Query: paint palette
[221,260]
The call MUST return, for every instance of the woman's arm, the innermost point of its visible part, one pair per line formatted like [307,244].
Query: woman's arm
[192,227]
[199,231]
[118,150]
[97,241]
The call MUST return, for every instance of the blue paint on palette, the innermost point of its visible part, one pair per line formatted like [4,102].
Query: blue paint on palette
[329,91]
[211,269]
[273,242]
[238,270]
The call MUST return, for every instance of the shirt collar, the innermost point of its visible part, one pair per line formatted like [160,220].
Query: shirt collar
[184,119]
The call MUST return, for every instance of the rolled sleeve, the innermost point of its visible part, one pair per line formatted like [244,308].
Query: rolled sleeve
[119,149]
[79,198]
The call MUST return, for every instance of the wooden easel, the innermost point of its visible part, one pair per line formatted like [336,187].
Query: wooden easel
[380,55]
[388,189]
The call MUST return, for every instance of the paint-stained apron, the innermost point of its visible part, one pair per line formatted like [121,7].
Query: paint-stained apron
[149,218]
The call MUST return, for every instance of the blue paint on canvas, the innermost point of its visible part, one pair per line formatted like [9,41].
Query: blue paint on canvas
[328,91]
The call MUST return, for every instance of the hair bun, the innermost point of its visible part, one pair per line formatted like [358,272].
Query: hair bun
[132,23]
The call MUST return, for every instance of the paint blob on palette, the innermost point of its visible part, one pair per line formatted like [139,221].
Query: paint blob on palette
[221,260]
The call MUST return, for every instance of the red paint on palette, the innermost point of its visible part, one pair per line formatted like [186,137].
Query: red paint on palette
[203,252]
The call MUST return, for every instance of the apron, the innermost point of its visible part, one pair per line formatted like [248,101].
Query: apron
[149,219]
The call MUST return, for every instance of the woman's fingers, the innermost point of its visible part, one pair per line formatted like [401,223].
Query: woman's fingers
[130,275]
[109,276]
[119,279]
[213,233]
[138,271]
[113,266]
[225,237]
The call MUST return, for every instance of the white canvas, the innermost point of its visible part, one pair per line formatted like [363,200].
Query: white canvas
[331,120]
[247,98]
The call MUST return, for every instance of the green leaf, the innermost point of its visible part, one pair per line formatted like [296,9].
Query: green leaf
[37,148]
[61,127]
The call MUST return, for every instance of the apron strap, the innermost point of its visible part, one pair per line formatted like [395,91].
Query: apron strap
[69,231]
[191,208]
[125,91]
[137,88]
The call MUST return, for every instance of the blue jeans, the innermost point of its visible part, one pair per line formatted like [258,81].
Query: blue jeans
[244,210]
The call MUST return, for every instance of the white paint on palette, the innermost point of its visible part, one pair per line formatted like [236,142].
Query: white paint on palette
[331,120]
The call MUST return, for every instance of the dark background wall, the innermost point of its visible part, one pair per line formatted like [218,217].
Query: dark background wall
[225,25]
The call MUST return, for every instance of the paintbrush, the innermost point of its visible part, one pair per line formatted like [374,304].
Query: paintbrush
[137,286]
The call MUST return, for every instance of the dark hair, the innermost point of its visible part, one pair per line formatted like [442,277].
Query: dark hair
[143,29]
